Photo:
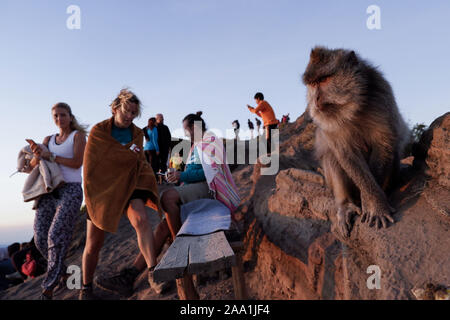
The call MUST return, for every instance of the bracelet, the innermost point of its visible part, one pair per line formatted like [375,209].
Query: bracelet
[52,157]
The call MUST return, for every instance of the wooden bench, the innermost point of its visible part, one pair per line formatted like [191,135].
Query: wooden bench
[189,255]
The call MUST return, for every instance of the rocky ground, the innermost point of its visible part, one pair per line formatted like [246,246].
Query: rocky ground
[119,251]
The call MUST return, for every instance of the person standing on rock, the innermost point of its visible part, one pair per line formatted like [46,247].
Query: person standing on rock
[251,127]
[164,141]
[236,127]
[284,120]
[57,212]
[258,126]
[265,111]
[117,180]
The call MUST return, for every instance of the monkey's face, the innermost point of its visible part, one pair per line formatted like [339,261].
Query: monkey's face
[333,87]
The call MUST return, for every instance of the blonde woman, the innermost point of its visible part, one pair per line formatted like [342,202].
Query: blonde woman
[57,211]
[117,180]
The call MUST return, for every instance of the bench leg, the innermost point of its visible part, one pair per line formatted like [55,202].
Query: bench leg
[240,292]
[186,288]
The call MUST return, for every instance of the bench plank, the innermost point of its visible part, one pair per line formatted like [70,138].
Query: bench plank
[195,254]
[174,262]
[210,252]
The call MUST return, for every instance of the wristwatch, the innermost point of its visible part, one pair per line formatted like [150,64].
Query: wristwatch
[52,157]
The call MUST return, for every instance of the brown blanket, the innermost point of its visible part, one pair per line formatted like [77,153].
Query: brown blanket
[112,172]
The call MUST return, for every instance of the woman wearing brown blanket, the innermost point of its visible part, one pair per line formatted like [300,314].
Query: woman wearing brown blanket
[117,179]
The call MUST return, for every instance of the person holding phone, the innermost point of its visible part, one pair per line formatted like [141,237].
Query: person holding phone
[57,211]
[265,111]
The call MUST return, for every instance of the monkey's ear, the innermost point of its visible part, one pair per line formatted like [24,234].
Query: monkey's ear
[316,54]
[352,58]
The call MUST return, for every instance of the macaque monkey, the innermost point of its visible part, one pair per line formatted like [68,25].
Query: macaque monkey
[360,134]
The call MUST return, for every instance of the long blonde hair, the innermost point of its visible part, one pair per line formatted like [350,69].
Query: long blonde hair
[126,96]
[74,125]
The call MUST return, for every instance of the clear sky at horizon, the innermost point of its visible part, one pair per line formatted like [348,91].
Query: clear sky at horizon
[188,55]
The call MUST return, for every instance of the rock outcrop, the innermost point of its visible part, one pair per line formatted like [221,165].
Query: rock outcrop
[432,153]
[292,252]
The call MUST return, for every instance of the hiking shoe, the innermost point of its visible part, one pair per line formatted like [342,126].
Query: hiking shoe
[45,297]
[14,276]
[62,284]
[121,283]
[87,294]
[158,287]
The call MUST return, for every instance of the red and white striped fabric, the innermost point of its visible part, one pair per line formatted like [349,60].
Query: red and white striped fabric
[218,175]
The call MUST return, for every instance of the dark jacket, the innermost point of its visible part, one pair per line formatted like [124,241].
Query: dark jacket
[164,137]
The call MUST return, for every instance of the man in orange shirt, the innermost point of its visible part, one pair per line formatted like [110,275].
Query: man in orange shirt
[265,111]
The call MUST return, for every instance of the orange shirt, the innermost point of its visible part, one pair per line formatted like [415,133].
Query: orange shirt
[265,111]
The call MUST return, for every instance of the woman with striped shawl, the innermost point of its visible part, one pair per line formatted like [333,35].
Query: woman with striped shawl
[206,175]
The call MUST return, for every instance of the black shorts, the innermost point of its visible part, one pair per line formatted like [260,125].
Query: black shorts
[144,195]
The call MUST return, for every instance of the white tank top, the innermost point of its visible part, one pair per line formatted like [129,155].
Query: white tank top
[65,150]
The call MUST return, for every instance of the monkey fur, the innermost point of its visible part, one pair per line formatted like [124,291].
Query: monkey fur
[360,134]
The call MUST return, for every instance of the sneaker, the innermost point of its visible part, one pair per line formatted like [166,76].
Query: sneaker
[87,294]
[62,284]
[158,287]
[45,297]
[121,283]
[14,276]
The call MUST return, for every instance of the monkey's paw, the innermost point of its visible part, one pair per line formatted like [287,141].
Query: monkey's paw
[344,219]
[377,213]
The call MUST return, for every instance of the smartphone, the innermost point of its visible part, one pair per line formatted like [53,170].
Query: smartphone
[30,141]
[32,144]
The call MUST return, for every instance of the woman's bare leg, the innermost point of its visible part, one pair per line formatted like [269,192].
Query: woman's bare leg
[160,235]
[94,242]
[171,202]
[139,220]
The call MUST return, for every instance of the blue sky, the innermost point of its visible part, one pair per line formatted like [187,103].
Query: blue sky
[209,55]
